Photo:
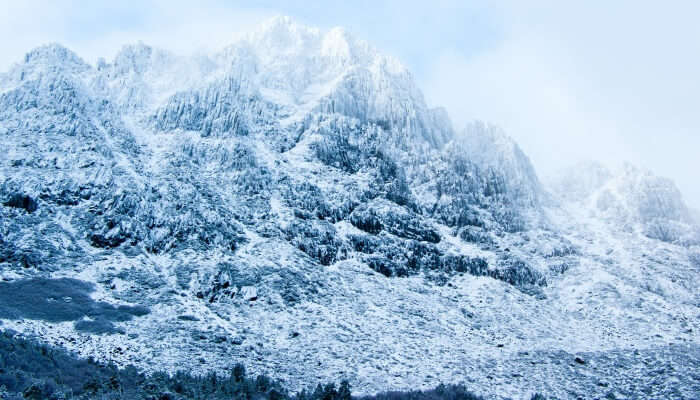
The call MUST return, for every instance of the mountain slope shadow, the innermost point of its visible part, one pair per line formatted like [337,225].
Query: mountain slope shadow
[64,299]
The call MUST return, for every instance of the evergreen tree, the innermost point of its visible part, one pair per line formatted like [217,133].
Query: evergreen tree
[344,392]
[238,372]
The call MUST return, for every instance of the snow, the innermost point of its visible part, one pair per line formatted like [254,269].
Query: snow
[211,169]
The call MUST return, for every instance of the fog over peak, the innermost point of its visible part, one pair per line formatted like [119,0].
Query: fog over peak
[568,82]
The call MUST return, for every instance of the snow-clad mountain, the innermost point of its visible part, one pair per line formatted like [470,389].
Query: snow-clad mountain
[489,147]
[632,198]
[293,204]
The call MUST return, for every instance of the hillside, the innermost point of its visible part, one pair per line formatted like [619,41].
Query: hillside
[292,204]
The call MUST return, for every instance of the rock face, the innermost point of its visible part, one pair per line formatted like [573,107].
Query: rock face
[292,203]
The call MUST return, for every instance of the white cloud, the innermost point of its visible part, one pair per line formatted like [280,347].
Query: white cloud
[97,29]
[608,82]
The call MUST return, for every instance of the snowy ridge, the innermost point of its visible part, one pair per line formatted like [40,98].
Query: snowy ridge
[44,60]
[293,204]
[490,147]
[141,76]
[632,198]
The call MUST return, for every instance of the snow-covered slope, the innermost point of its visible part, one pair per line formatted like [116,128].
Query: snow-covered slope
[292,203]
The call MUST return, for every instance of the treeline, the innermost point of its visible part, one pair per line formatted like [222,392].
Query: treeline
[29,370]
[441,392]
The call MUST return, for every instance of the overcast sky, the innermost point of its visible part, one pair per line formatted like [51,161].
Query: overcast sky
[569,80]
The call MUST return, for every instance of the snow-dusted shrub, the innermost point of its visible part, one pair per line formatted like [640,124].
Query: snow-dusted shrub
[664,229]
[317,238]
[390,180]
[517,272]
[307,201]
[475,235]
[336,151]
[386,267]
[382,215]
[508,217]
[162,219]
[562,266]
[393,256]
[29,241]
[364,243]
[459,263]
[222,156]
[366,219]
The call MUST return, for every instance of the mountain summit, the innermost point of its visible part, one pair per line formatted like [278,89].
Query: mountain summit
[292,203]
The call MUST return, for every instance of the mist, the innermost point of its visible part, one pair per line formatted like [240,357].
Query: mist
[611,83]
[603,81]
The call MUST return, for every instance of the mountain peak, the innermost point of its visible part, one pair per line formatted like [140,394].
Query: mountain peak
[53,56]
[284,22]
[53,53]
[331,72]
[337,43]
[140,57]
[282,35]
[53,59]
[631,196]
[489,146]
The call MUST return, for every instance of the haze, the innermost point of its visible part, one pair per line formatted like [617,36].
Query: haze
[606,81]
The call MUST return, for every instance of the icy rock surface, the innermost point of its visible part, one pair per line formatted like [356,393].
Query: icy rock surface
[293,204]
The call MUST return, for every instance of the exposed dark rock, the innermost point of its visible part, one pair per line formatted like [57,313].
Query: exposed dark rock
[517,272]
[318,239]
[220,339]
[335,150]
[98,240]
[22,201]
[386,267]
[237,341]
[367,220]
[377,216]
